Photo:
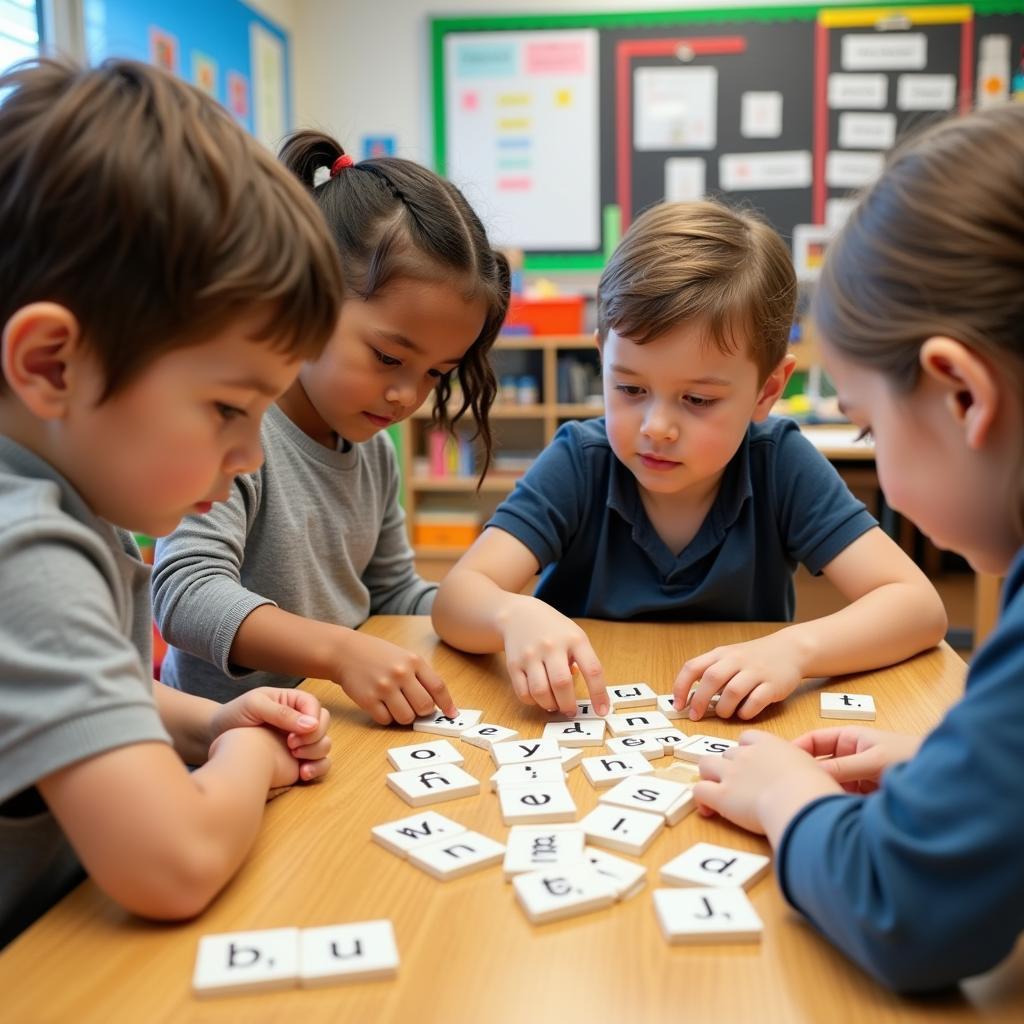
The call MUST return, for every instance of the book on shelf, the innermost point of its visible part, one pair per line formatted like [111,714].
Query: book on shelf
[445,528]
[450,455]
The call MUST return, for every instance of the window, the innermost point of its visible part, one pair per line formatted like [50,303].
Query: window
[19,31]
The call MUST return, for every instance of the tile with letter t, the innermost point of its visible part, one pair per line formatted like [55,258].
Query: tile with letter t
[645,793]
[363,951]
[257,961]
[407,833]
[542,848]
[606,770]
[705,864]
[586,733]
[637,721]
[413,755]
[857,706]
[457,856]
[643,743]
[627,876]
[622,829]
[442,725]
[551,895]
[703,746]
[527,774]
[423,786]
[485,734]
[695,916]
[536,803]
[631,695]
[524,751]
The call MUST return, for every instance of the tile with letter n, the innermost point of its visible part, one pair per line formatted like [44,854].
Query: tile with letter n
[607,769]
[552,895]
[622,829]
[457,856]
[857,706]
[542,848]
[363,951]
[257,961]
[584,733]
[423,786]
[631,695]
[696,916]
[704,746]
[417,830]
[413,755]
[637,721]
[442,725]
[538,802]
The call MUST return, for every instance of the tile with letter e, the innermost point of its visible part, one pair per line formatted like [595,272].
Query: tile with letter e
[537,803]
[607,769]
[631,695]
[417,830]
[582,733]
[705,864]
[423,786]
[551,895]
[622,829]
[643,743]
[257,961]
[542,848]
[696,916]
[644,793]
[524,752]
[363,951]
[627,876]
[630,722]
[527,774]
[457,856]
[703,746]
[485,734]
[857,706]
[413,755]
[442,725]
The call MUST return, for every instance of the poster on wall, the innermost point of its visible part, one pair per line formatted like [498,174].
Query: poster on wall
[204,73]
[163,49]
[268,86]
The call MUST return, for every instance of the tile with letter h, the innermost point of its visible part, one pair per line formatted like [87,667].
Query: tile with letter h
[606,770]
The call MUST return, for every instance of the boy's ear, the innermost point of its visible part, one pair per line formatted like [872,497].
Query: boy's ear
[772,388]
[40,344]
[970,386]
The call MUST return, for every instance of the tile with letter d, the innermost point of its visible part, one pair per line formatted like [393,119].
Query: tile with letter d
[407,833]
[423,786]
[538,802]
[457,856]
[257,961]
[442,725]
[622,829]
[582,733]
[857,706]
[551,895]
[705,864]
[696,916]
[347,952]
[414,754]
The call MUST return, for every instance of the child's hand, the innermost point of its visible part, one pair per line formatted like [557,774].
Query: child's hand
[389,682]
[541,646]
[285,769]
[295,713]
[758,673]
[762,783]
[856,755]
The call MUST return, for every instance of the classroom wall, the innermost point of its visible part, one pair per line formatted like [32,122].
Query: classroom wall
[362,67]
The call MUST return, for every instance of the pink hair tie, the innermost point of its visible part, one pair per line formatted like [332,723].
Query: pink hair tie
[340,164]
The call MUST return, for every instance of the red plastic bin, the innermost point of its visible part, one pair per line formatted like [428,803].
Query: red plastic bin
[561,315]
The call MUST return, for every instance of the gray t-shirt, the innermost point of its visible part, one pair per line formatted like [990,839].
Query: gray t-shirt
[75,667]
[319,533]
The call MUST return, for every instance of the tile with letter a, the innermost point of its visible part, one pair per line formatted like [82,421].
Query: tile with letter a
[539,802]
[627,876]
[631,695]
[542,848]
[704,746]
[527,774]
[622,829]
[485,734]
[442,725]
[413,755]
[585,733]
[630,722]
[524,751]
[551,895]
[705,864]
[423,786]
[457,856]
[645,793]
[246,962]
[643,743]
[363,951]
[857,706]
[695,916]
[417,830]
[607,769]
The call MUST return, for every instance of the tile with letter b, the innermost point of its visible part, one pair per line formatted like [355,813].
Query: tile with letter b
[696,916]
[457,856]
[363,951]
[705,864]
[415,754]
[258,961]
[417,830]
[423,786]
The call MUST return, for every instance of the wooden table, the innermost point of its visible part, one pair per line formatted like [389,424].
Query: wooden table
[468,952]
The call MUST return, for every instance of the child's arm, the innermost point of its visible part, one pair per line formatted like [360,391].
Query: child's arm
[894,612]
[159,840]
[479,609]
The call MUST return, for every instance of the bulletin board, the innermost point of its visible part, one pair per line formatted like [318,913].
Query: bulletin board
[561,129]
[228,49]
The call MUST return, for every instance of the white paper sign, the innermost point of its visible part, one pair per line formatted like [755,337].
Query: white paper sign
[857,92]
[751,172]
[867,131]
[675,108]
[761,115]
[884,51]
[925,92]
[852,170]
[685,178]
[837,212]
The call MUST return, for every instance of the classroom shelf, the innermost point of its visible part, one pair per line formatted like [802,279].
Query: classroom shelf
[494,483]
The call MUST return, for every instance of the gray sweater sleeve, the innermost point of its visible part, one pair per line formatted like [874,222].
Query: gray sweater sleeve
[395,588]
[198,598]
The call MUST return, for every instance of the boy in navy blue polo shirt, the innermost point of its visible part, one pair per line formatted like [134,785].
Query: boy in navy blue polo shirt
[686,501]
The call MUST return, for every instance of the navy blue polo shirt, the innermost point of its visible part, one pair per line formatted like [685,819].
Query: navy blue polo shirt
[780,502]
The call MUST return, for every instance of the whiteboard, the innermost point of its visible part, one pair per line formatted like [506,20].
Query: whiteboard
[522,135]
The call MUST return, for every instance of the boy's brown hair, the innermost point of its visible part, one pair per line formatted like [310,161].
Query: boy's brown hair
[701,262]
[135,201]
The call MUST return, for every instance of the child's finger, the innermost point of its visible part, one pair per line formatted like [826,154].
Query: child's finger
[520,685]
[592,671]
[399,708]
[281,716]
[819,742]
[757,700]
[689,674]
[310,771]
[304,702]
[712,681]
[561,684]
[420,699]
[434,685]
[378,711]
[539,686]
[854,767]
[738,689]
[313,751]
